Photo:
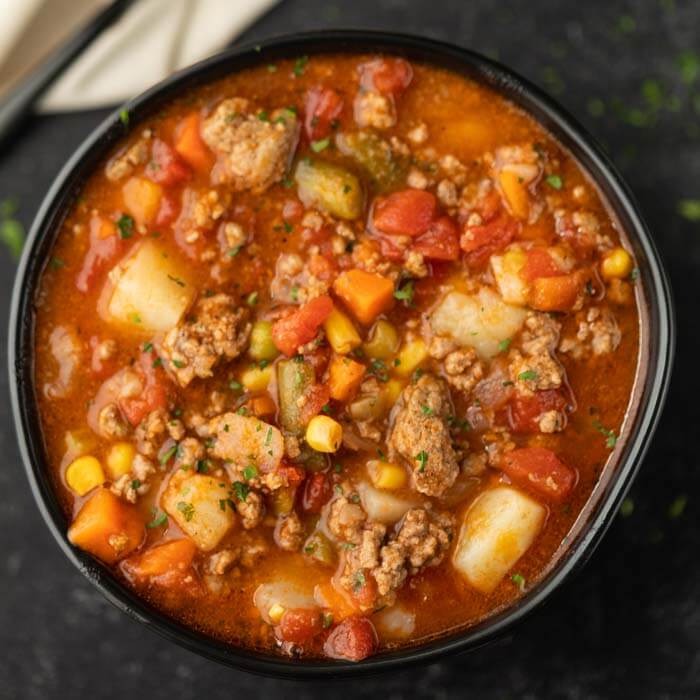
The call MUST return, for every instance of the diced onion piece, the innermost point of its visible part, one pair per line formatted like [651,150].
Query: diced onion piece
[481,321]
[498,529]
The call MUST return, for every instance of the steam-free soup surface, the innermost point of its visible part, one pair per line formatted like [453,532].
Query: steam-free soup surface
[330,355]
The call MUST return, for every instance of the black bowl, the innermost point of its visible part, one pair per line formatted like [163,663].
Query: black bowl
[657,341]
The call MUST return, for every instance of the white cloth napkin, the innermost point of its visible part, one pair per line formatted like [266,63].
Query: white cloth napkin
[150,41]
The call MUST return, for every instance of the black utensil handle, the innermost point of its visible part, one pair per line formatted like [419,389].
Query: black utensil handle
[21,98]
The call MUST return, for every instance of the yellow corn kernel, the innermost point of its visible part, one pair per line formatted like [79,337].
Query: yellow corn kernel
[324,434]
[85,474]
[617,264]
[119,459]
[412,354]
[391,391]
[261,345]
[256,378]
[383,341]
[341,333]
[386,475]
[275,613]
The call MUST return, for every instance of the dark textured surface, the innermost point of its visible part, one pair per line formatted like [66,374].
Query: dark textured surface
[629,624]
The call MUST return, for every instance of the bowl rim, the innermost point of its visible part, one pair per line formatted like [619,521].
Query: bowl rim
[473,65]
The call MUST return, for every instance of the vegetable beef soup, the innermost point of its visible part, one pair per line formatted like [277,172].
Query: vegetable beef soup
[331,353]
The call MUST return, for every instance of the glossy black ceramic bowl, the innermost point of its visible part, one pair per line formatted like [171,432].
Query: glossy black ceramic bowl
[656,341]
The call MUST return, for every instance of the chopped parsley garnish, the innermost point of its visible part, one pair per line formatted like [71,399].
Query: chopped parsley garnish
[378,369]
[416,375]
[179,364]
[287,226]
[504,345]
[234,385]
[158,519]
[168,455]
[337,468]
[519,581]
[310,548]
[177,280]
[263,116]
[136,484]
[233,252]
[249,472]
[320,145]
[326,620]
[252,299]
[405,293]
[125,224]
[527,375]
[610,437]
[187,510]
[689,209]
[147,347]
[676,509]
[241,490]
[422,458]
[358,581]
[124,117]
[158,362]
[427,411]
[134,318]
[12,230]
[627,508]
[554,181]
[202,466]
[634,275]
[300,66]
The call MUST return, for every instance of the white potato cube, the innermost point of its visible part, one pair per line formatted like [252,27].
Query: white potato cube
[200,506]
[149,290]
[273,599]
[507,269]
[480,320]
[382,506]
[498,529]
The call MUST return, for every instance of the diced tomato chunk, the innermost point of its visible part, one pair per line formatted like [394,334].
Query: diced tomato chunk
[440,241]
[322,105]
[540,263]
[315,398]
[301,326]
[105,247]
[539,469]
[480,242]
[154,396]
[317,492]
[166,167]
[525,410]
[388,75]
[353,639]
[299,625]
[405,213]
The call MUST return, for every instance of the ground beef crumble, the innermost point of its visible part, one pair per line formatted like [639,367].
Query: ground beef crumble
[421,435]
[217,330]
